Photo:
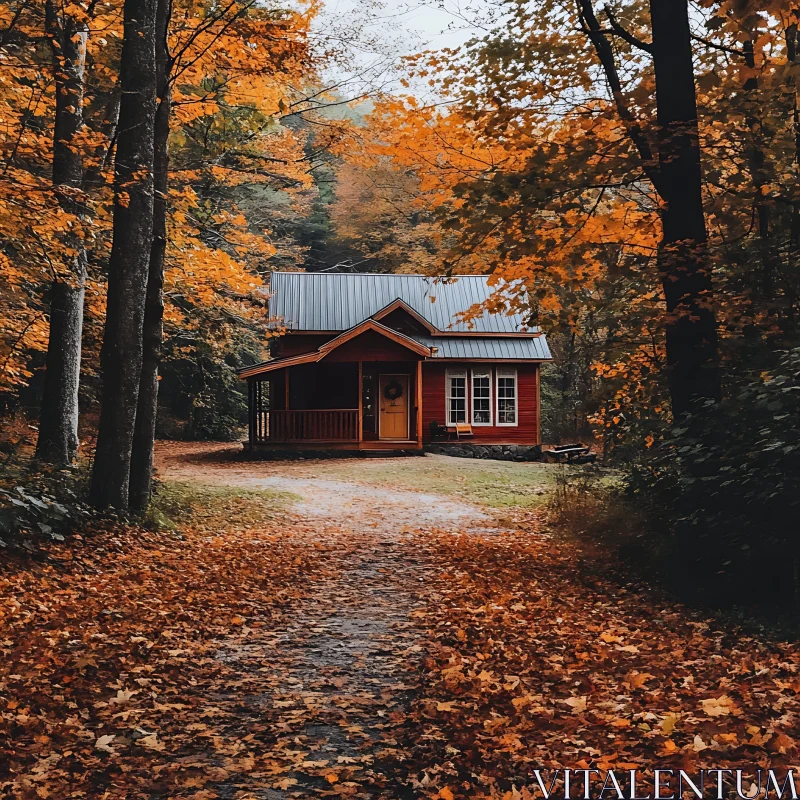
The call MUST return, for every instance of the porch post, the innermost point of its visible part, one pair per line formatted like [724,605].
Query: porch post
[418,388]
[360,402]
[286,387]
[251,413]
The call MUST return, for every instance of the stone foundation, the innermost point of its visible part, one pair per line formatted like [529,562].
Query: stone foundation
[499,452]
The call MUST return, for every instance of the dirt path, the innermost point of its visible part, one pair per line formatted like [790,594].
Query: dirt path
[386,510]
[344,655]
[352,637]
[450,653]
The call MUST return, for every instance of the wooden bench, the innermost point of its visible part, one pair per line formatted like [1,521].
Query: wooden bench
[462,430]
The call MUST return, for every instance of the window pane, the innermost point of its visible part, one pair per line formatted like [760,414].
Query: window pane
[481,399]
[457,399]
[506,400]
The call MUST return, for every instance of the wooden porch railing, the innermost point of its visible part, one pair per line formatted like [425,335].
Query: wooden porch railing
[322,425]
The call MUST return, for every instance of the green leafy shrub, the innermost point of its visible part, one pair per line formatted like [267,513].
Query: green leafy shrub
[723,490]
[31,515]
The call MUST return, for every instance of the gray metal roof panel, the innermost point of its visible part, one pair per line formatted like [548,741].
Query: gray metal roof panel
[467,347]
[333,301]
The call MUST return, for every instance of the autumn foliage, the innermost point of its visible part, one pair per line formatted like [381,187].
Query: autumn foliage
[234,70]
[526,165]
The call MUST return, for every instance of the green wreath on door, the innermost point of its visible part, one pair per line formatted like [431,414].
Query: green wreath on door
[393,390]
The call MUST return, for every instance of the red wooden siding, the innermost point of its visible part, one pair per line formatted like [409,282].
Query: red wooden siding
[371,346]
[298,344]
[526,432]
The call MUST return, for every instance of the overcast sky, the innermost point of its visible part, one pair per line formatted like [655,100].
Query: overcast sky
[391,29]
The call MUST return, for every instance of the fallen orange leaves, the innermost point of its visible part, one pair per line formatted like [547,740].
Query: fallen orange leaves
[256,650]
[607,677]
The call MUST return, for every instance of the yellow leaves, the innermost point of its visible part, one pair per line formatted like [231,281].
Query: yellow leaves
[719,706]
[511,682]
[104,743]
[636,680]
[577,704]
[151,742]
[123,696]
[757,738]
[668,724]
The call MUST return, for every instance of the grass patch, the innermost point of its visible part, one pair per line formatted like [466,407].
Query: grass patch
[497,484]
[176,504]
[589,506]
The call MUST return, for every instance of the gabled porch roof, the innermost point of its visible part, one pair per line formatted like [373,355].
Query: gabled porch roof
[317,355]
[399,303]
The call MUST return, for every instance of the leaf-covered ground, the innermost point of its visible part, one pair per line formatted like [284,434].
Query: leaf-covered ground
[302,636]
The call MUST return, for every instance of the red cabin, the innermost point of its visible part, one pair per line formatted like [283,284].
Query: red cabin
[384,362]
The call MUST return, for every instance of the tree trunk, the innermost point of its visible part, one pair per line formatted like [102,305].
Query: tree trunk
[141,477]
[757,164]
[793,59]
[58,425]
[121,355]
[691,331]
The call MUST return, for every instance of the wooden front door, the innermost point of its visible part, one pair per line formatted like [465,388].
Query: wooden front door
[393,396]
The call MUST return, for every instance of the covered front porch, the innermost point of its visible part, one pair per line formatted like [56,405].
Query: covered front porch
[342,405]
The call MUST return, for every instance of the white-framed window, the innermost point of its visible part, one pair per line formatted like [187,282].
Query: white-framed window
[481,397]
[507,411]
[456,396]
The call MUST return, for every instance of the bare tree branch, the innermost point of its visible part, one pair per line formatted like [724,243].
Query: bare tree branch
[625,34]
[605,54]
[716,46]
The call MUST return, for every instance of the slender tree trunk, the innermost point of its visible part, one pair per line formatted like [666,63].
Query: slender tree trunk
[691,332]
[793,58]
[58,425]
[141,478]
[98,161]
[757,164]
[121,355]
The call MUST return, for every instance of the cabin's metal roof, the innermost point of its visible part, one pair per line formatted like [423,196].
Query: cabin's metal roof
[488,347]
[334,301]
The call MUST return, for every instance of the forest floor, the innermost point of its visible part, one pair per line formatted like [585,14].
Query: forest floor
[404,628]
